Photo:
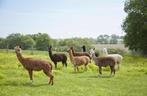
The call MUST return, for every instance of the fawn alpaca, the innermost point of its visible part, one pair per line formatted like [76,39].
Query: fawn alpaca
[58,57]
[78,60]
[31,64]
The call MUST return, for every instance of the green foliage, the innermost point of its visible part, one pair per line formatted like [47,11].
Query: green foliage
[135,25]
[3,43]
[106,39]
[13,40]
[103,39]
[77,43]
[42,41]
[25,42]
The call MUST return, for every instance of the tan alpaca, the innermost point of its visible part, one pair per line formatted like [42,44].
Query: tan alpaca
[80,53]
[78,60]
[31,64]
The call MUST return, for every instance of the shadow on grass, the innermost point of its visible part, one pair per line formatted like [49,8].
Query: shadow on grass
[102,76]
[28,84]
[77,72]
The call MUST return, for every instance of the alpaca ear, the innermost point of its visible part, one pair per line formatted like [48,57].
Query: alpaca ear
[16,47]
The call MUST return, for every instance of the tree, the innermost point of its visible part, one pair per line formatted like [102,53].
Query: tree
[114,39]
[13,40]
[103,39]
[42,41]
[26,42]
[3,44]
[135,25]
[77,43]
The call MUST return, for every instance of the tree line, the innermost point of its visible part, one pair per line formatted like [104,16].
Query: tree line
[112,39]
[40,41]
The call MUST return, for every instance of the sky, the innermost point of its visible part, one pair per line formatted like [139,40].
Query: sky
[62,18]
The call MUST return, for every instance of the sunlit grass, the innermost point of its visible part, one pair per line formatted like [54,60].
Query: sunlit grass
[130,80]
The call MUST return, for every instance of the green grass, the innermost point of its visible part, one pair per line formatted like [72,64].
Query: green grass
[130,80]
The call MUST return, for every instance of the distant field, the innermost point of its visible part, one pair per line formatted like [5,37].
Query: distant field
[130,80]
[114,46]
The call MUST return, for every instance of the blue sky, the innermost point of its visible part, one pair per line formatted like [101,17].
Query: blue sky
[62,18]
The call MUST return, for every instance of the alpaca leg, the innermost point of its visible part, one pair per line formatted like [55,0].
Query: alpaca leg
[63,64]
[85,68]
[118,66]
[66,64]
[51,78]
[30,74]
[100,70]
[112,70]
[55,65]
[49,74]
[77,68]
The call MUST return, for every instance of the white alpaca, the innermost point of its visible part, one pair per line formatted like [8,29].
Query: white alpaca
[118,58]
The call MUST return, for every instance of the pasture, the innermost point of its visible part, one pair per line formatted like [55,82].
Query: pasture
[130,80]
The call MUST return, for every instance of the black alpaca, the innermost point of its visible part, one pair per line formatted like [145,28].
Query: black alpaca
[58,57]
[84,48]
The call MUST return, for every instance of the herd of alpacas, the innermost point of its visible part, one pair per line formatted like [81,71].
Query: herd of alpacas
[76,58]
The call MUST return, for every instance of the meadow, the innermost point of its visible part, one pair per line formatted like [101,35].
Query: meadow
[130,80]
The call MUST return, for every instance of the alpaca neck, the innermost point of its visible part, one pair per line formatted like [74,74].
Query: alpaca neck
[20,57]
[94,58]
[50,54]
[105,51]
[71,55]
[73,51]
[84,49]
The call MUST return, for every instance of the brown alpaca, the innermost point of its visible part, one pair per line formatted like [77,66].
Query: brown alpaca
[31,64]
[78,60]
[103,62]
[80,53]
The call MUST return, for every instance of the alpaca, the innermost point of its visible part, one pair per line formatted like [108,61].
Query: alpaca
[57,57]
[31,64]
[80,53]
[103,62]
[118,58]
[78,60]
[84,48]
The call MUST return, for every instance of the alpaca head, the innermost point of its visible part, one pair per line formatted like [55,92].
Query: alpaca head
[92,52]
[105,52]
[18,49]
[69,51]
[49,47]
[71,48]
[93,55]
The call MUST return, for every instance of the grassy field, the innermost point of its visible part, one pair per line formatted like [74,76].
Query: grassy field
[130,80]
